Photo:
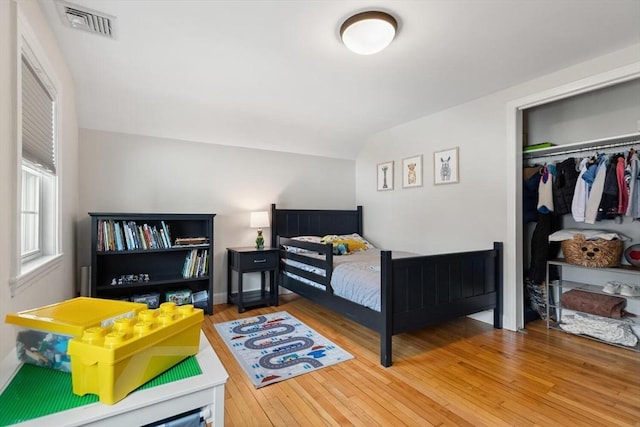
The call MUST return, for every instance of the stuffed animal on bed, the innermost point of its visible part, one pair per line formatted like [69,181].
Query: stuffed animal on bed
[329,238]
[341,249]
[343,246]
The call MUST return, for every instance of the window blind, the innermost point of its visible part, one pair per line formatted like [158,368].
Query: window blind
[37,120]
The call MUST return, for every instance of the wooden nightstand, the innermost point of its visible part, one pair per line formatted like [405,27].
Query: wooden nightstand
[248,260]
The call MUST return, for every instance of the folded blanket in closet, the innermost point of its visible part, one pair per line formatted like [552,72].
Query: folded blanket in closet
[598,304]
[609,330]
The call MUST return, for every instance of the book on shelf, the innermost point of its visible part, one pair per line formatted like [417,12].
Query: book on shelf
[133,235]
[165,230]
[100,237]
[143,241]
[118,236]
[187,241]
[110,231]
[196,264]
[153,231]
[127,239]
[147,236]
[163,239]
[127,235]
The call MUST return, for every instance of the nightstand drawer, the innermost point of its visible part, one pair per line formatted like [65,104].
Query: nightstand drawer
[258,260]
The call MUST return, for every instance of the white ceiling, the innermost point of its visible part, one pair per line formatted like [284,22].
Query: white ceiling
[274,74]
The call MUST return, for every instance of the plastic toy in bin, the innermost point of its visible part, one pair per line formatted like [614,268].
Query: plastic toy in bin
[44,332]
[43,349]
[152,299]
[179,297]
[112,362]
[200,299]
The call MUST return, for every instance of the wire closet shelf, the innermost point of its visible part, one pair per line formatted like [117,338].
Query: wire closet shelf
[604,145]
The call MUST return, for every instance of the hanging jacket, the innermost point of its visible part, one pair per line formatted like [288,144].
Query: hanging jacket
[623,187]
[608,208]
[545,190]
[530,183]
[590,174]
[564,186]
[633,210]
[595,194]
[580,194]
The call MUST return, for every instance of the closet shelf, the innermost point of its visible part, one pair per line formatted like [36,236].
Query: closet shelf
[577,147]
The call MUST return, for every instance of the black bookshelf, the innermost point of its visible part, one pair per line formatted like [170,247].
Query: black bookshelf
[134,254]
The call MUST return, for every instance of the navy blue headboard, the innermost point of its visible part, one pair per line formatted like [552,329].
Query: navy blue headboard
[310,222]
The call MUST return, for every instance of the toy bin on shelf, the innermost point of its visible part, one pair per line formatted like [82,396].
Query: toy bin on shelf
[44,332]
[112,362]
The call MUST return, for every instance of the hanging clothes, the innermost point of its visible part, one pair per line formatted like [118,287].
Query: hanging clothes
[608,208]
[592,169]
[541,249]
[530,184]
[595,194]
[564,186]
[623,187]
[580,193]
[545,190]
[633,210]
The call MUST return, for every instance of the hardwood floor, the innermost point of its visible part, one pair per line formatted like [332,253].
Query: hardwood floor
[460,373]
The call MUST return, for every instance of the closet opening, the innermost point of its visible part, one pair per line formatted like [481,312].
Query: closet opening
[563,142]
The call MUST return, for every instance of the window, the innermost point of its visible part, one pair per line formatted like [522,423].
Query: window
[30,243]
[38,171]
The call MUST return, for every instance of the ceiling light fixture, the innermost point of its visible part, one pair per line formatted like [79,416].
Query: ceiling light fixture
[369,32]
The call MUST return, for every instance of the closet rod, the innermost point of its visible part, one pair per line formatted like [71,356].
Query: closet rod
[596,145]
[581,150]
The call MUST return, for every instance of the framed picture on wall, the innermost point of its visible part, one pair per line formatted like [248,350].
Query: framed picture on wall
[412,172]
[385,176]
[445,166]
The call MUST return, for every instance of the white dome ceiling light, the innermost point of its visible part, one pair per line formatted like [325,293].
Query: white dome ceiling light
[369,32]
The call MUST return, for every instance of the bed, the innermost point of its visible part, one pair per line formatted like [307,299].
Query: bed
[415,291]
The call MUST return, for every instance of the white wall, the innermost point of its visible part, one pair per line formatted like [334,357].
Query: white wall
[611,111]
[129,173]
[473,213]
[60,284]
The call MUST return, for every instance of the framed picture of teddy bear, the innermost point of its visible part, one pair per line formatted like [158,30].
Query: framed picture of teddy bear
[445,166]
[412,172]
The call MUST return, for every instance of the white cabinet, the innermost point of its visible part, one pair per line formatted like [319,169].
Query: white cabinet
[555,289]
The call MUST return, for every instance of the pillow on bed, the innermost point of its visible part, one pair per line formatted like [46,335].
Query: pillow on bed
[310,239]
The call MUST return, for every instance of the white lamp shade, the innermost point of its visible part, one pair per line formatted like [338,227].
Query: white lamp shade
[368,32]
[259,219]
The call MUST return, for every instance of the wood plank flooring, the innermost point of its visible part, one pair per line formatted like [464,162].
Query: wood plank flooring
[461,373]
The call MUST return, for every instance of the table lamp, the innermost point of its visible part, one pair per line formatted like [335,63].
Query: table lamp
[259,220]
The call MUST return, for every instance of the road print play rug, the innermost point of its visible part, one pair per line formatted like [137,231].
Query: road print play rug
[276,347]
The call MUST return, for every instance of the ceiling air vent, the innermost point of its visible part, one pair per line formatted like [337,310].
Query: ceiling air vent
[83,18]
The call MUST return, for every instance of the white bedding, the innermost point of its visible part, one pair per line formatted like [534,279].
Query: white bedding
[356,277]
